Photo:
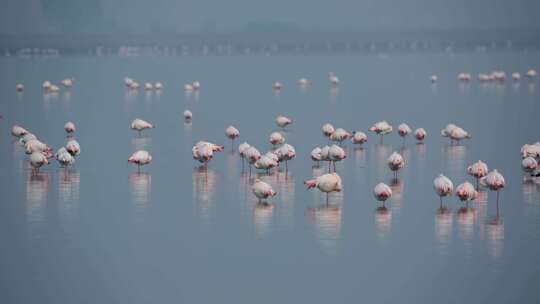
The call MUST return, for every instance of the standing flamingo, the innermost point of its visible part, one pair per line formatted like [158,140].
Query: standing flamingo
[73,147]
[242,148]
[286,153]
[326,183]
[327,130]
[283,121]
[382,192]
[37,160]
[478,170]
[527,150]
[466,192]
[316,155]
[404,130]
[69,127]
[458,134]
[19,87]
[140,158]
[395,163]
[359,138]
[262,190]
[495,182]
[232,133]
[336,153]
[64,158]
[529,164]
[340,135]
[188,115]
[252,155]
[333,79]
[381,128]
[420,134]
[276,138]
[443,187]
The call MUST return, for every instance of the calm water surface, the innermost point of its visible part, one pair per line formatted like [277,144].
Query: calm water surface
[102,233]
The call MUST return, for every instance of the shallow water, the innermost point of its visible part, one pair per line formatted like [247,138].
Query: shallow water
[102,233]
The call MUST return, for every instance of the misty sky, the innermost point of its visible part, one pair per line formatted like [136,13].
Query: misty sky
[23,16]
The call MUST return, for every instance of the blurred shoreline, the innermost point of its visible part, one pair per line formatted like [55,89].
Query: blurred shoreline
[266,43]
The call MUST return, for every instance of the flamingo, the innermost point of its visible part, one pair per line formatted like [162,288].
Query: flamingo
[283,121]
[336,153]
[358,137]
[139,125]
[140,158]
[133,85]
[26,138]
[19,87]
[252,155]
[232,133]
[381,128]
[128,81]
[265,162]
[516,76]
[18,131]
[434,78]
[495,182]
[420,134]
[326,183]
[316,155]
[158,86]
[327,129]
[532,73]
[262,190]
[478,170]
[286,153]
[531,150]
[340,135]
[395,163]
[447,130]
[276,138]
[196,85]
[304,82]
[188,87]
[69,127]
[333,79]
[35,145]
[404,130]
[529,164]
[148,86]
[443,187]
[46,85]
[188,115]
[466,192]
[458,134]
[73,147]
[484,77]
[53,89]
[64,158]
[382,192]
[277,86]
[325,155]
[67,82]
[242,148]
[464,77]
[37,160]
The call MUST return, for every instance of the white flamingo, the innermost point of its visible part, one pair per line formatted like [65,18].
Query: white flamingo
[188,115]
[381,128]
[304,82]
[265,162]
[326,183]
[531,150]
[443,186]
[340,135]
[466,192]
[252,155]
[382,192]
[420,134]
[336,153]
[283,121]
[140,158]
[37,160]
[532,73]
[285,153]
[68,82]
[478,170]
[458,134]
[276,138]
[395,163]
[73,147]
[140,125]
[232,133]
[18,131]
[333,79]
[69,127]
[359,138]
[404,130]
[495,182]
[64,158]
[529,164]
[434,78]
[277,86]
[327,129]
[316,155]
[262,190]
[19,87]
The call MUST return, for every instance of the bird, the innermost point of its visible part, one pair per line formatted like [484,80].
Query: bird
[494,181]
[139,125]
[516,76]
[464,76]
[285,153]
[382,192]
[242,148]
[404,130]
[35,145]
[68,82]
[283,121]
[189,87]
[69,127]
[128,81]
[336,153]
[443,187]
[304,82]
[140,158]
[19,87]
[252,155]
[196,85]
[276,138]
[327,183]
[18,131]
[53,89]
[358,137]
[26,138]
[340,135]
[327,130]
[277,86]
[395,163]
[37,160]
[531,150]
[478,170]
[381,128]
[447,130]
[64,158]
[232,133]
[73,147]
[148,86]
[188,115]
[262,190]
[466,192]
[316,155]
[531,73]
[333,79]
[46,85]
[265,162]
[458,134]
[203,151]
[420,134]
[158,86]
[529,164]
[434,78]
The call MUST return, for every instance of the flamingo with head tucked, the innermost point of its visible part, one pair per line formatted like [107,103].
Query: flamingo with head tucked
[326,183]
[443,186]
[37,160]
[382,192]
[140,158]
[381,128]
[478,170]
[359,138]
[262,190]
[283,121]
[140,125]
[395,163]
[232,133]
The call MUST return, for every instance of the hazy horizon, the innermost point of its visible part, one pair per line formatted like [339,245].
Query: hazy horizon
[196,16]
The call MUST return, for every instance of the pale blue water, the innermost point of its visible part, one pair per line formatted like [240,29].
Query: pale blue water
[101,233]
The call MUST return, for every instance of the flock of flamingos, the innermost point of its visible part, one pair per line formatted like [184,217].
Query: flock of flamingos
[203,151]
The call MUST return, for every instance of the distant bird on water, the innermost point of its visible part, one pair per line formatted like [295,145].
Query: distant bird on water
[140,125]
[443,186]
[382,192]
[140,158]
[262,190]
